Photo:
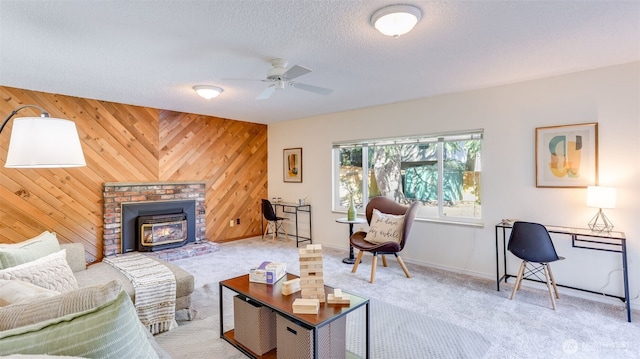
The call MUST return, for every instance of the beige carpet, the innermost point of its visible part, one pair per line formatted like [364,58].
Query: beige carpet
[435,314]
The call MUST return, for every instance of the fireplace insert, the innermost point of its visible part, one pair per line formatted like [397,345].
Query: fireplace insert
[157,232]
[130,229]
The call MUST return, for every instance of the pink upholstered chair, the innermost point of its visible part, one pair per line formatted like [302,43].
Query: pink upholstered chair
[386,206]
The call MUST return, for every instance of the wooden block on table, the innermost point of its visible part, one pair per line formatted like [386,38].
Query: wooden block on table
[306,306]
[291,286]
[337,297]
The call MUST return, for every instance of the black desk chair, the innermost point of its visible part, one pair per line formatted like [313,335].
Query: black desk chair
[274,223]
[531,243]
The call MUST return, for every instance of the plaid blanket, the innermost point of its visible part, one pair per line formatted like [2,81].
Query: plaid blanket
[155,289]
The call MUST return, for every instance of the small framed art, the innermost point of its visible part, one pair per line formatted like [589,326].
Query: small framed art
[292,164]
[567,156]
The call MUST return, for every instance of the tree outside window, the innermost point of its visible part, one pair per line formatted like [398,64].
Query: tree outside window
[442,172]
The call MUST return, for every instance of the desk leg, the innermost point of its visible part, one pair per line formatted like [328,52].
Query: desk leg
[351,259]
[625,273]
[497,263]
[367,332]
[297,237]
[221,312]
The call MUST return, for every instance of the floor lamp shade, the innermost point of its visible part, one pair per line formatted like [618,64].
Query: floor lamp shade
[44,142]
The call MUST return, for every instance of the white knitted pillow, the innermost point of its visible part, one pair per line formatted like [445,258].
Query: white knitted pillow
[49,272]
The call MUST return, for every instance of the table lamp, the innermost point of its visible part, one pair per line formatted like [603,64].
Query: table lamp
[601,197]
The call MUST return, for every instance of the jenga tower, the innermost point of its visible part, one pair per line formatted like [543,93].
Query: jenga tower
[311,280]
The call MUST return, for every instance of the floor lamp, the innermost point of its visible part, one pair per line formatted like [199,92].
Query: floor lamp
[43,142]
[601,197]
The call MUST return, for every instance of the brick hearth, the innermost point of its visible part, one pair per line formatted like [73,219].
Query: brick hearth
[117,193]
[187,251]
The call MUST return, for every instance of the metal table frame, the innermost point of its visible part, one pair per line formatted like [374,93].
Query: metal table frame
[294,209]
[613,241]
[271,297]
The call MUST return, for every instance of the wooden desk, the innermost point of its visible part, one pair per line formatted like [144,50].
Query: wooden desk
[580,238]
[271,297]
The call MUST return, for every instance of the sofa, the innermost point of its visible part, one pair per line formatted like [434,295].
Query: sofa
[52,303]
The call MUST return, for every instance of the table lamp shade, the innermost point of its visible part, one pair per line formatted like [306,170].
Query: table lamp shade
[43,142]
[601,197]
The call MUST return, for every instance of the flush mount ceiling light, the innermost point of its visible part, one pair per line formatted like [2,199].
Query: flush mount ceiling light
[208,92]
[396,20]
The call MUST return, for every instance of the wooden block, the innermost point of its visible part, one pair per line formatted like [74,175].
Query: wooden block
[289,291]
[312,285]
[309,256]
[313,272]
[311,291]
[345,299]
[291,286]
[306,306]
[292,282]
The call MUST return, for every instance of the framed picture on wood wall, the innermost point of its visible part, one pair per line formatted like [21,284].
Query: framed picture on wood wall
[292,164]
[567,156]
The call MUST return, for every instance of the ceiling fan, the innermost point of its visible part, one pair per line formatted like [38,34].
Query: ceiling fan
[280,78]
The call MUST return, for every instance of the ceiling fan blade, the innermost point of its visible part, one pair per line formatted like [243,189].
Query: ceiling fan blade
[266,93]
[295,71]
[237,79]
[311,88]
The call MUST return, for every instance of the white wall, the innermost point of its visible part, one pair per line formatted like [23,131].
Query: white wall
[509,115]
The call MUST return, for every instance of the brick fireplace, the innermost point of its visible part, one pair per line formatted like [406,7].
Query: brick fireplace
[118,194]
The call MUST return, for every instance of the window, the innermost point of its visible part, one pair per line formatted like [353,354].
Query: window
[441,171]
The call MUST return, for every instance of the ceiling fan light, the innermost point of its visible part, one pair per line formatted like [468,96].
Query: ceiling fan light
[396,20]
[208,92]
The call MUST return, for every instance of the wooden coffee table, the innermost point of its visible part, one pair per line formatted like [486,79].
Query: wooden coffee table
[271,297]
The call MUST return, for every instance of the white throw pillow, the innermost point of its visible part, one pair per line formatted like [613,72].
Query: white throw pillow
[16,291]
[385,228]
[50,272]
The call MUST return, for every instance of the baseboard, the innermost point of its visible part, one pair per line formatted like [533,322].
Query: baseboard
[526,283]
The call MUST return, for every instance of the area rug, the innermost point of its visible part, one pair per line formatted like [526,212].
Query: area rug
[394,333]
[400,333]
[395,330]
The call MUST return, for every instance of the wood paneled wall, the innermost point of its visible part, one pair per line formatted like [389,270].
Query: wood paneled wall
[125,143]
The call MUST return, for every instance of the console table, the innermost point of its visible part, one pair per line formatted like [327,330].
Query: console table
[580,238]
[294,209]
[271,297]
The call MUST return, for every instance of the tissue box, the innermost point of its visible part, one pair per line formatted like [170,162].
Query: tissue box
[267,272]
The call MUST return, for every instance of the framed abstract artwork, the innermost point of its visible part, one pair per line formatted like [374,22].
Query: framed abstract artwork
[292,164]
[567,156]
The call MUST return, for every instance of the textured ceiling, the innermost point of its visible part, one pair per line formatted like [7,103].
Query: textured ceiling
[151,53]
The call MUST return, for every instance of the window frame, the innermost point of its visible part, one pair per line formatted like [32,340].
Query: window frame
[440,139]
